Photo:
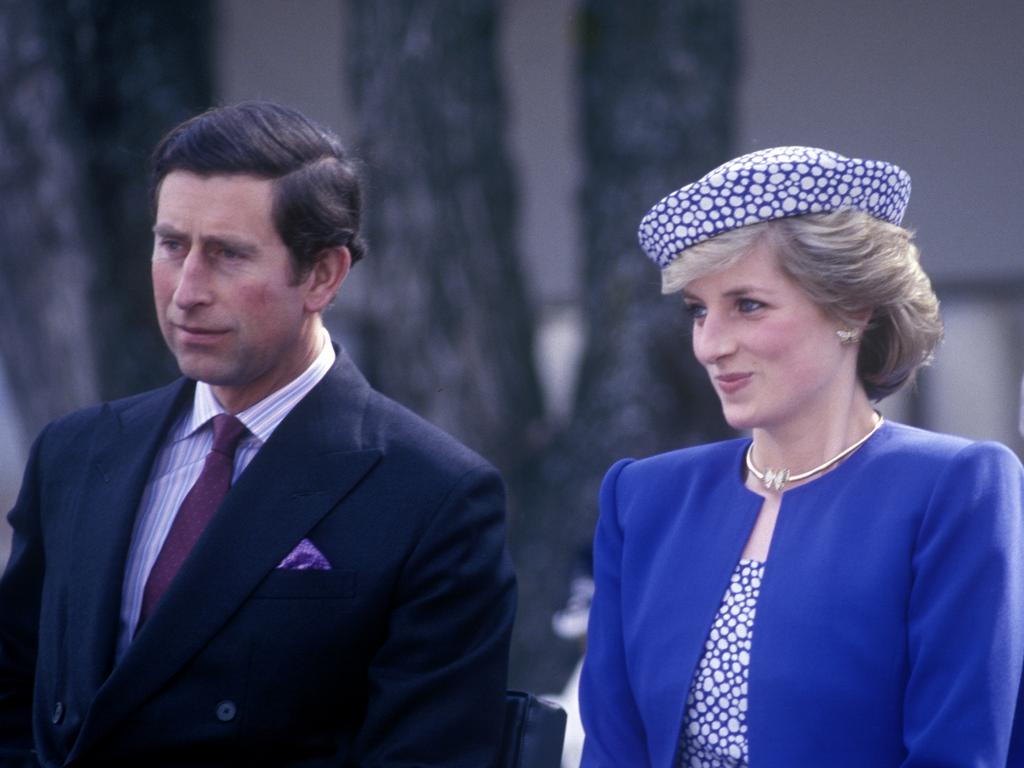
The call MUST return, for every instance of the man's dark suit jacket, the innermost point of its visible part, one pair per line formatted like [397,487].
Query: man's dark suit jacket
[397,656]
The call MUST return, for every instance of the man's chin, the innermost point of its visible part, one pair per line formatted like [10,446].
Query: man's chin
[202,370]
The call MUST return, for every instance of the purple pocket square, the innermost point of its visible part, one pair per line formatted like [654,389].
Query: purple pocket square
[305,557]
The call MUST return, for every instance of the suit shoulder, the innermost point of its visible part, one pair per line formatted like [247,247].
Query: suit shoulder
[683,461]
[903,443]
[409,437]
[78,424]
[703,470]
[126,404]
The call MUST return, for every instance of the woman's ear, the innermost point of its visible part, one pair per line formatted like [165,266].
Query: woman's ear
[861,319]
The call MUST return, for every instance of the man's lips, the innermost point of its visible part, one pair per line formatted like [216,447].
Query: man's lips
[729,383]
[197,332]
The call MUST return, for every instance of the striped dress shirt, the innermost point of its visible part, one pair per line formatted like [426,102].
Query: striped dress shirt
[179,463]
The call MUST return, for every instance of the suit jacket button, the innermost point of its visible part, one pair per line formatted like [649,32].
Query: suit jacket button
[226,711]
[58,713]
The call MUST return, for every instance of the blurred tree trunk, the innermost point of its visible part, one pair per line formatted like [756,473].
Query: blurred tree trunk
[133,71]
[46,256]
[448,329]
[657,90]
[449,325]
[89,87]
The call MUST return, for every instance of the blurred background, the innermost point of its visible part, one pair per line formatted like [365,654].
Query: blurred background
[510,149]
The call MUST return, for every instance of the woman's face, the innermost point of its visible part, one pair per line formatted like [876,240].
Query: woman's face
[772,354]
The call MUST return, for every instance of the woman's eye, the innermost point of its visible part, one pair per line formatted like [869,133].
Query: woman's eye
[748,305]
[696,311]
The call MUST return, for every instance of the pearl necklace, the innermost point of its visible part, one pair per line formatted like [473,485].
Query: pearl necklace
[776,479]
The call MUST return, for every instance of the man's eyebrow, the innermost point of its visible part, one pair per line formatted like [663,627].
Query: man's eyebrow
[166,230]
[231,243]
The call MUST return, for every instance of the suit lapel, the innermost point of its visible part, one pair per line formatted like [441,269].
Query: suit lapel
[125,445]
[313,459]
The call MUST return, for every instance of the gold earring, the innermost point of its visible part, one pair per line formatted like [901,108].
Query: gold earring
[847,337]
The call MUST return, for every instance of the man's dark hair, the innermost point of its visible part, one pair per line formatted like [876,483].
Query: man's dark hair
[317,198]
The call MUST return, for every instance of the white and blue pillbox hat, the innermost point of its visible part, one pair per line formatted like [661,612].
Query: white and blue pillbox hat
[771,184]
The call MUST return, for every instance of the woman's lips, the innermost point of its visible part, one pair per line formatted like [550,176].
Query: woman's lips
[730,383]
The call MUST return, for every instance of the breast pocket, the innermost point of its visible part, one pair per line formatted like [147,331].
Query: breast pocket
[308,585]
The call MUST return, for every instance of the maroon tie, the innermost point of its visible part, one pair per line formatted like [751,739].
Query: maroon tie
[196,510]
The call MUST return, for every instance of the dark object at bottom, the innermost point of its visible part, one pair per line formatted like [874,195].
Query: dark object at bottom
[534,732]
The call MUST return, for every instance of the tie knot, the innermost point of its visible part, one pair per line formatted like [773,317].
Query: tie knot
[227,431]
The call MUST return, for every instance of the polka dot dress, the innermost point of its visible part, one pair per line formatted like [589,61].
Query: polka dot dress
[714,727]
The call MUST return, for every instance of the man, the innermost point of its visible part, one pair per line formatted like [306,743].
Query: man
[347,602]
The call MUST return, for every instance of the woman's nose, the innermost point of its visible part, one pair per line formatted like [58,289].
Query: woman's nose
[713,339]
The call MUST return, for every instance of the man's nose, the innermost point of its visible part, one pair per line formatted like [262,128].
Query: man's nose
[193,281]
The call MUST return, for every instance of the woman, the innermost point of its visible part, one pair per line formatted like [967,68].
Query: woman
[837,589]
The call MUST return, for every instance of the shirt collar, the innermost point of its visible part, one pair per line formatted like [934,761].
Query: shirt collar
[262,418]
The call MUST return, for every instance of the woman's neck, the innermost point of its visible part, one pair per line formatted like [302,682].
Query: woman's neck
[800,444]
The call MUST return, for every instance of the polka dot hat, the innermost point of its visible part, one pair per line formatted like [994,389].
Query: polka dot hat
[771,184]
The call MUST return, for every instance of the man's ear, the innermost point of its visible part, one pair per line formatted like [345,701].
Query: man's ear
[328,273]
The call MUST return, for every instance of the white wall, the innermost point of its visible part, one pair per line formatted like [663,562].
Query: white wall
[285,51]
[935,86]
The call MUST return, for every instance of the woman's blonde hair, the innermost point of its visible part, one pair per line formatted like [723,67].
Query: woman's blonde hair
[848,262]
